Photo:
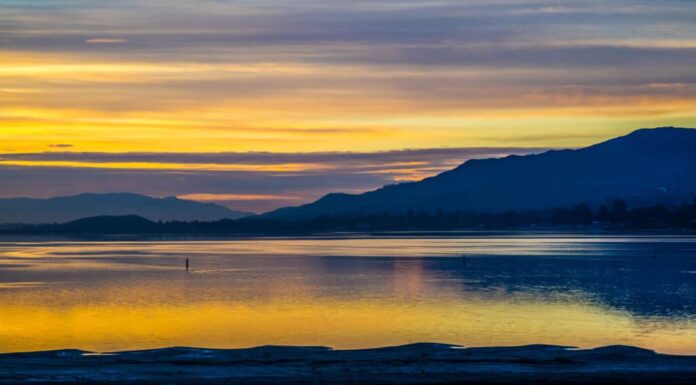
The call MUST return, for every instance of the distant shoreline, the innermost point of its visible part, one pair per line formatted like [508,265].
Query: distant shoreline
[579,218]
[551,232]
[409,364]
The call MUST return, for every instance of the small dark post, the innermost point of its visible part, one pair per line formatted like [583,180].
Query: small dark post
[187,265]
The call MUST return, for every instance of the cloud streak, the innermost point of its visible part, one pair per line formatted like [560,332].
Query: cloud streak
[106,41]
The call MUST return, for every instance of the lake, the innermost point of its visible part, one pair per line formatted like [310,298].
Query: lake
[350,292]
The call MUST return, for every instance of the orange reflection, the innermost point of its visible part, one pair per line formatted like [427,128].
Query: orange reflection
[338,323]
[408,276]
[107,296]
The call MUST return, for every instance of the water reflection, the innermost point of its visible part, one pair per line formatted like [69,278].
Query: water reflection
[580,291]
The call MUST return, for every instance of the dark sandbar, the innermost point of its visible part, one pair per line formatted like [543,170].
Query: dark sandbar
[409,364]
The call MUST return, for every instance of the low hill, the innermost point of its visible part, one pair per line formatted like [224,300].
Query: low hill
[110,225]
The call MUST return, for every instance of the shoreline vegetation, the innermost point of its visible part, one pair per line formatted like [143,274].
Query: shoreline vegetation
[615,216]
[423,363]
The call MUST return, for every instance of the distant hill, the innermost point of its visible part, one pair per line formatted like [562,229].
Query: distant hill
[70,208]
[648,166]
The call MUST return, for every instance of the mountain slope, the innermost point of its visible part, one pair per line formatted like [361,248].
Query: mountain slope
[645,167]
[69,208]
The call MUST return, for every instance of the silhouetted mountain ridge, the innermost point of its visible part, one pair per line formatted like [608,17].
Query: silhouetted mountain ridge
[645,167]
[70,208]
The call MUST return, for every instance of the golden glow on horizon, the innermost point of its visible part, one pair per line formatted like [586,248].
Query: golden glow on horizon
[102,106]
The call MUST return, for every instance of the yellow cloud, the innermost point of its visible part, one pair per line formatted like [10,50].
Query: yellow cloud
[287,167]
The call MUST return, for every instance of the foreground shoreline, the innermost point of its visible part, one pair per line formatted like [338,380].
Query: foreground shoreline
[409,364]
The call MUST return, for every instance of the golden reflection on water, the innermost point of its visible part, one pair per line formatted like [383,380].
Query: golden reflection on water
[235,297]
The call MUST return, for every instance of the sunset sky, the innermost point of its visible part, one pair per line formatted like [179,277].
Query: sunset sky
[258,104]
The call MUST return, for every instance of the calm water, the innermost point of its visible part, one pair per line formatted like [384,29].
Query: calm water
[350,292]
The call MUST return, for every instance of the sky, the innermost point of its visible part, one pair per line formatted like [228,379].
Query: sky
[266,103]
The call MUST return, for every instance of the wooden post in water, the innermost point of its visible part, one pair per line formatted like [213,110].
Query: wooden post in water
[187,265]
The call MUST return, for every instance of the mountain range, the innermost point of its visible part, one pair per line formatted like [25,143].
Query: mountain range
[645,167]
[69,208]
